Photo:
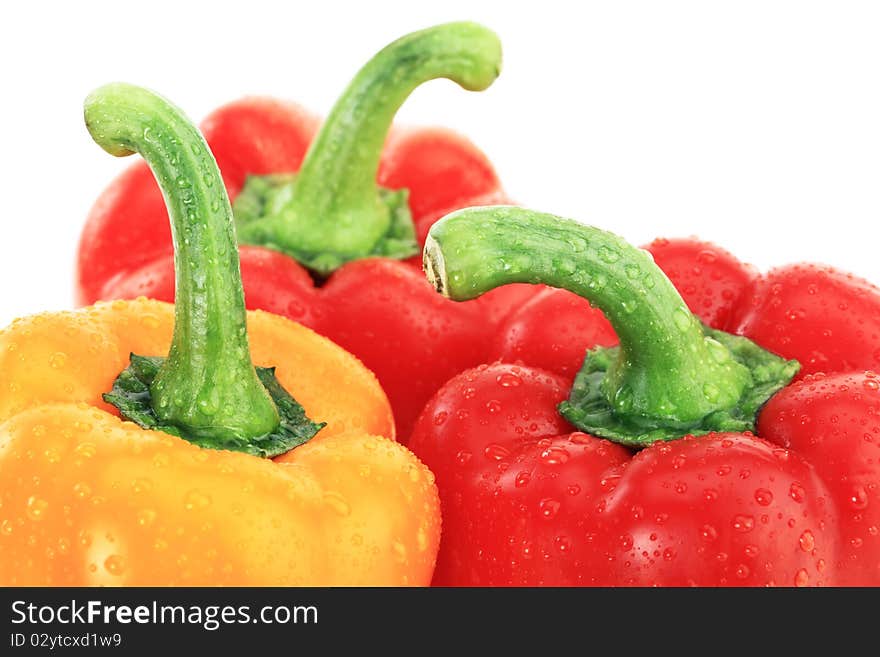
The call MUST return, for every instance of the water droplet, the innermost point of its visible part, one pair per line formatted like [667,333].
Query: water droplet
[802,577]
[742,571]
[399,551]
[508,380]
[337,503]
[717,351]
[522,479]
[209,404]
[763,497]
[711,392]
[493,406]
[150,321]
[146,517]
[797,492]
[858,499]
[496,452]
[706,257]
[806,541]
[82,490]
[599,281]
[633,272]
[114,564]
[36,508]
[58,360]
[440,417]
[141,486]
[86,450]
[609,255]
[548,508]
[422,539]
[624,399]
[554,456]
[195,500]
[743,523]
[682,318]
[463,457]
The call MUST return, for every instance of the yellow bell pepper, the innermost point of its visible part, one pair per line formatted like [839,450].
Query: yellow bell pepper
[89,498]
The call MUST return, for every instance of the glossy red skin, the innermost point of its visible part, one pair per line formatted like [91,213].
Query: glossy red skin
[711,281]
[826,319]
[274,282]
[553,329]
[717,510]
[834,422]
[413,342]
[526,502]
[478,415]
[413,339]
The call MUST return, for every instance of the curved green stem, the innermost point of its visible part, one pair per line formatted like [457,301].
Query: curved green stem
[669,373]
[334,211]
[208,385]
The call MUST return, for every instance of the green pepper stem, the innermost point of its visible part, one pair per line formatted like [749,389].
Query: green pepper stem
[667,368]
[208,384]
[335,205]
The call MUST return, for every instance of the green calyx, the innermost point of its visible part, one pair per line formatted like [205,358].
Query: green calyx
[264,196]
[131,395]
[333,211]
[207,390]
[671,376]
[589,410]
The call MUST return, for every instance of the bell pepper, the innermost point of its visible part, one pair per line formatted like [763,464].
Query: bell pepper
[176,491]
[682,456]
[354,216]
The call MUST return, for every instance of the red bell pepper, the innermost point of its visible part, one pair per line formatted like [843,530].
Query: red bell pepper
[359,207]
[539,479]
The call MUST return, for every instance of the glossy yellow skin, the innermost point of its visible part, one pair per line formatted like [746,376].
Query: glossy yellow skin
[87,499]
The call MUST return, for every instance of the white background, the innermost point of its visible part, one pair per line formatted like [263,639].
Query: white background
[752,124]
